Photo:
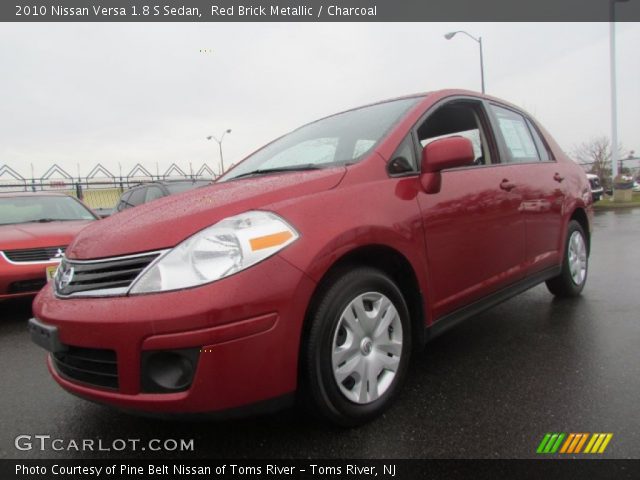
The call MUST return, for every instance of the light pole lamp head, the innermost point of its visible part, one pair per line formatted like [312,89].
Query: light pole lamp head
[209,137]
[228,130]
[450,35]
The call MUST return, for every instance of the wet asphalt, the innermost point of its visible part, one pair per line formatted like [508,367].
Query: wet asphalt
[490,388]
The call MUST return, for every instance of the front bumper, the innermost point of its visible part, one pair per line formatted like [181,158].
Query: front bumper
[22,279]
[246,329]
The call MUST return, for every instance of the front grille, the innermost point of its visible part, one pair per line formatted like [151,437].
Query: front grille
[26,286]
[43,254]
[100,277]
[88,365]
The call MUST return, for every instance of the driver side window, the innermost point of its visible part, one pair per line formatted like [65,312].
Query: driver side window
[457,118]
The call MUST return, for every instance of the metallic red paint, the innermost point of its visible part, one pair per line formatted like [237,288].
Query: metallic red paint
[32,235]
[257,362]
[487,227]
[443,154]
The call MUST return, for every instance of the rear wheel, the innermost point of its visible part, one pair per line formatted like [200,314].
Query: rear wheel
[575,266]
[358,347]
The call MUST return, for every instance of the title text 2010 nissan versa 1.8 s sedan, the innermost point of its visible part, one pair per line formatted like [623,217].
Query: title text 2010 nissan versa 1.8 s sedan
[318,263]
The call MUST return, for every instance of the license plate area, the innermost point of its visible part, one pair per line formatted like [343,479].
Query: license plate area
[50,272]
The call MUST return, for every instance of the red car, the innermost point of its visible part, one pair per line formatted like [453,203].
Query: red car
[35,229]
[317,264]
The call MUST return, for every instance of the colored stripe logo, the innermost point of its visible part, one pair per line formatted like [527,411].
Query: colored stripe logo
[573,443]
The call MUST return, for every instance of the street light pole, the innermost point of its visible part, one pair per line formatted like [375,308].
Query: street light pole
[221,158]
[219,142]
[450,35]
[481,64]
[614,97]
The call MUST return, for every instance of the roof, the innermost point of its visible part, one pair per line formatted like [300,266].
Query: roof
[427,97]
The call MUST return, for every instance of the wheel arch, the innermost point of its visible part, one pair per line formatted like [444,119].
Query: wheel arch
[580,215]
[391,262]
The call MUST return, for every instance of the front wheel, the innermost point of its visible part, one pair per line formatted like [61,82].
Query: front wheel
[357,348]
[575,265]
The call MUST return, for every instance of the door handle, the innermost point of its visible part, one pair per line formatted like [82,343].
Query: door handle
[558,178]
[507,185]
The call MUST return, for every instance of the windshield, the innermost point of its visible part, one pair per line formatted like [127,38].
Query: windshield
[41,208]
[337,140]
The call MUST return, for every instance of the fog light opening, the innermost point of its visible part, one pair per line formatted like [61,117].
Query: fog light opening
[168,371]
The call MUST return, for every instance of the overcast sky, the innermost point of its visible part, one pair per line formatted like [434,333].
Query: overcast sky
[119,94]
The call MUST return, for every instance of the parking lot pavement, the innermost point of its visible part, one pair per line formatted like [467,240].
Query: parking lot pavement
[489,388]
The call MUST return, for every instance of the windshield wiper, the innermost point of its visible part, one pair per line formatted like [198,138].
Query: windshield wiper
[47,220]
[265,171]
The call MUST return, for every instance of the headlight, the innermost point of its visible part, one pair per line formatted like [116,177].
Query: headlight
[223,249]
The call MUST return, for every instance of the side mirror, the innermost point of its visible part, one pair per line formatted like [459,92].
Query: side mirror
[441,154]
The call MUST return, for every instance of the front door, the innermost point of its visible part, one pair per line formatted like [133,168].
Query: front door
[473,227]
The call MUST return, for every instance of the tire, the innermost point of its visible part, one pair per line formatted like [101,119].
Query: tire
[352,366]
[575,265]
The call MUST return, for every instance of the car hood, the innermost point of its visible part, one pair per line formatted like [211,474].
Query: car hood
[36,235]
[166,222]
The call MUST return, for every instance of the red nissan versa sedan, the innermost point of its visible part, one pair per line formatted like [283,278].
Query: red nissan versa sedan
[35,229]
[318,263]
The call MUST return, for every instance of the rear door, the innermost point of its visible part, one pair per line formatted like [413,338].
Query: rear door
[474,230]
[539,180]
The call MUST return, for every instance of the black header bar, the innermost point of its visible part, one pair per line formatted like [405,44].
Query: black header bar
[318,10]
